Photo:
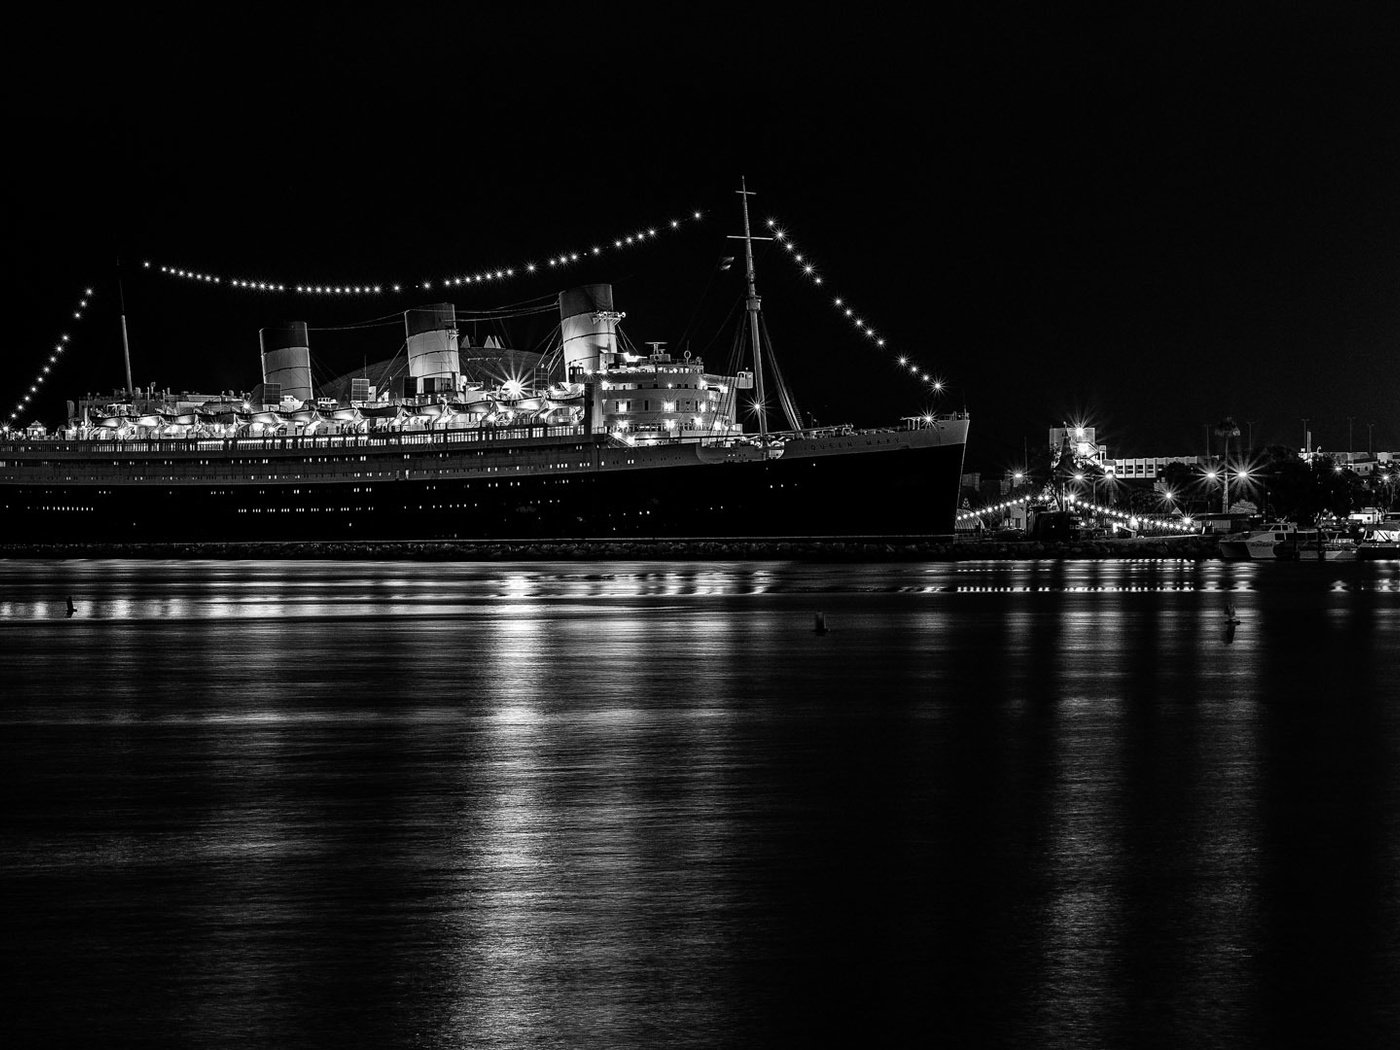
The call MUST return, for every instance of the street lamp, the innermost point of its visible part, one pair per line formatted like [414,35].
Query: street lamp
[1018,478]
[1241,474]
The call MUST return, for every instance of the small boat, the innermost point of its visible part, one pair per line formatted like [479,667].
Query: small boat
[1325,545]
[1272,542]
[1380,542]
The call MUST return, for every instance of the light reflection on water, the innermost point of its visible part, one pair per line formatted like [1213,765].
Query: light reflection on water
[636,804]
[165,590]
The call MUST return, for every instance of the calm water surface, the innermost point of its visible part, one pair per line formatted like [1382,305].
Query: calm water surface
[645,804]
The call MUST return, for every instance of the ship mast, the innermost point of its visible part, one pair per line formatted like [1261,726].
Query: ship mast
[754,303]
[126,347]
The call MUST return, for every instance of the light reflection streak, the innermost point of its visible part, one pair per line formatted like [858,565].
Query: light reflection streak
[277,590]
[1079,939]
[503,932]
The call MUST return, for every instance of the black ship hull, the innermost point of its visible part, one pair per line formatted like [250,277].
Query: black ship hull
[864,483]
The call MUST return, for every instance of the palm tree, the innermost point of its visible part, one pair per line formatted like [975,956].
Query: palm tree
[1227,428]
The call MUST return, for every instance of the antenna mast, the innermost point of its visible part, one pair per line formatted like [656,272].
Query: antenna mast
[754,303]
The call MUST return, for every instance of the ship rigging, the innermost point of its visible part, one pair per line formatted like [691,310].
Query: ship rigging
[461,434]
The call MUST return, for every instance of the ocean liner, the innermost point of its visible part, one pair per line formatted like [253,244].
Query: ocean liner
[461,439]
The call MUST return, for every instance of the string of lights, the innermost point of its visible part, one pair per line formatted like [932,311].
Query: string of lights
[1132,520]
[622,242]
[1184,525]
[808,269]
[968,515]
[58,349]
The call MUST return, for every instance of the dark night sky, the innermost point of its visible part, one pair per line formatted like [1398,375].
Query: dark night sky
[1148,221]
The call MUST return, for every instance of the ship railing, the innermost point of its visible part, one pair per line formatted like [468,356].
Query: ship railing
[930,420]
[62,445]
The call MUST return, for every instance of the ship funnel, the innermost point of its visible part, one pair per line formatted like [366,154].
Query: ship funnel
[286,359]
[588,327]
[432,347]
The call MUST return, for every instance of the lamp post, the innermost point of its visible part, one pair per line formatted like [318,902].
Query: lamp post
[1242,474]
[1224,488]
[1012,496]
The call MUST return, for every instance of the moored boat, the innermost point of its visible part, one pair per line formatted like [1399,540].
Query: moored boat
[1325,545]
[584,437]
[1271,542]
[1380,542]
